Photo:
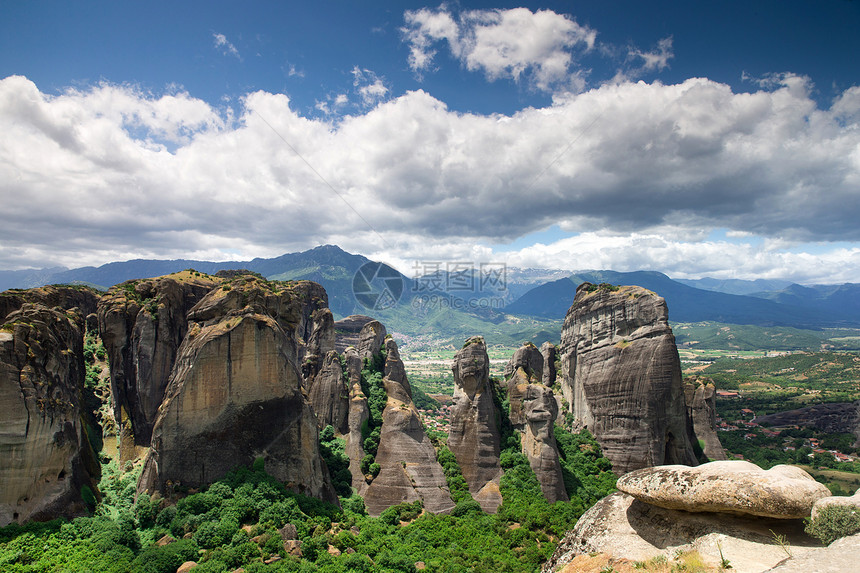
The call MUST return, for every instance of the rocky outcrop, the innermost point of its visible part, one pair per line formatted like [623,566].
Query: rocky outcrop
[474,435]
[48,462]
[530,359]
[838,557]
[235,394]
[700,396]
[142,324]
[533,411]
[348,331]
[409,470]
[549,351]
[83,298]
[621,376]
[357,414]
[329,395]
[735,486]
[835,418]
[852,501]
[624,527]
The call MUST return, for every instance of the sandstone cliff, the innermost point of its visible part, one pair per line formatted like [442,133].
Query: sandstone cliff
[235,393]
[47,458]
[549,351]
[409,470]
[700,396]
[348,331]
[621,376]
[533,411]
[142,324]
[474,435]
[85,299]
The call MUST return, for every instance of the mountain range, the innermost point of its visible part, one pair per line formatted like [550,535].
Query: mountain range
[520,304]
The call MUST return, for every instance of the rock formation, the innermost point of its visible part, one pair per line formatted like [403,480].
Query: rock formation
[624,527]
[142,324]
[833,418]
[530,359]
[621,376]
[48,462]
[348,331]
[852,501]
[735,486]
[474,435]
[549,351]
[84,298]
[409,470]
[329,395]
[235,394]
[726,509]
[533,410]
[700,396]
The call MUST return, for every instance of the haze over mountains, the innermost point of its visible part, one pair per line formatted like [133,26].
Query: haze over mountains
[544,294]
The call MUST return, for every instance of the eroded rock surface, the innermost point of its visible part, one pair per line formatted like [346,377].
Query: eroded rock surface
[624,527]
[732,486]
[700,396]
[549,351]
[46,457]
[474,436]
[329,395]
[348,331]
[409,470]
[142,324]
[85,299]
[235,394]
[621,377]
[852,501]
[533,411]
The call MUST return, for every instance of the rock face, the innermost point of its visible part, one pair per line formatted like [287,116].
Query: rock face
[621,376]
[835,418]
[235,394]
[85,299]
[624,527]
[782,492]
[47,458]
[533,410]
[700,396]
[409,470]
[329,395]
[142,324]
[348,331]
[474,436]
[549,351]
[838,557]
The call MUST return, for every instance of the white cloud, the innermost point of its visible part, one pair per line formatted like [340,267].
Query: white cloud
[503,44]
[657,59]
[370,87]
[225,46]
[639,172]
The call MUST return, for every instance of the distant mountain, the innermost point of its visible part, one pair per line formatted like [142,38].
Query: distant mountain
[736,286]
[841,299]
[688,304]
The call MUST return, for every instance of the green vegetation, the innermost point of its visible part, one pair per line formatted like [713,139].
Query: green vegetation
[377,398]
[235,523]
[834,522]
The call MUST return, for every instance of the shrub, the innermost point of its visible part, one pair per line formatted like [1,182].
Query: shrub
[834,522]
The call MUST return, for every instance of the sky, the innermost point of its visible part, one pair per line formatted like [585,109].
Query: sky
[699,139]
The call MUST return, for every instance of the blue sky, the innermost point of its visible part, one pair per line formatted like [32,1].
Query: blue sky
[699,139]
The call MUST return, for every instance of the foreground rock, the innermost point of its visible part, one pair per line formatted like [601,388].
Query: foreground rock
[622,526]
[700,396]
[852,501]
[782,492]
[838,557]
[235,394]
[409,470]
[47,460]
[474,436]
[621,376]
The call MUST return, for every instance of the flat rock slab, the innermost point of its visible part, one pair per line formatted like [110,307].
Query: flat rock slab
[732,486]
[840,556]
[625,528]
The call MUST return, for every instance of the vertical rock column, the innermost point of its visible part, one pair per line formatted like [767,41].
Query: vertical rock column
[474,436]
[621,376]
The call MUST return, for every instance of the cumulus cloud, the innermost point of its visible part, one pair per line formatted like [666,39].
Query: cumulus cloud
[639,173]
[507,44]
[370,87]
[225,46]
